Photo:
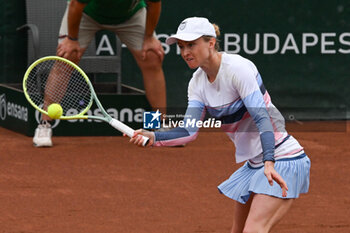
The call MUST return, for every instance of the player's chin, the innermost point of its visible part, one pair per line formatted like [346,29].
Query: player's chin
[192,65]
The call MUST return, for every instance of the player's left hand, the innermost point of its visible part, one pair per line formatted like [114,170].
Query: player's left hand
[272,175]
[152,44]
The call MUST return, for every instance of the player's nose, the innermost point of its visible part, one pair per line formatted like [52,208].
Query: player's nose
[186,51]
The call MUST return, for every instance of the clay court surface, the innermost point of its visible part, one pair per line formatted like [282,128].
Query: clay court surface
[106,185]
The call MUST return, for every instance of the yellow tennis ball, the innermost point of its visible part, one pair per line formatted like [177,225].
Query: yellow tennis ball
[54,111]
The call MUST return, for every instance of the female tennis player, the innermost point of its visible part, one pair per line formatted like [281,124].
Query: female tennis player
[231,89]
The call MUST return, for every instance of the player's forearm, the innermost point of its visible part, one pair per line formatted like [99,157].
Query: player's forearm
[268,146]
[153,14]
[74,16]
[256,107]
[188,131]
[267,136]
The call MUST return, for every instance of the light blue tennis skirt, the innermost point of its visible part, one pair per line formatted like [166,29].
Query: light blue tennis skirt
[294,171]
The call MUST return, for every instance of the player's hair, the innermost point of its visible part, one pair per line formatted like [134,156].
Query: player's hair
[217,32]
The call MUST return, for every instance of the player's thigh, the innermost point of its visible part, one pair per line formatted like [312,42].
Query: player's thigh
[265,212]
[240,214]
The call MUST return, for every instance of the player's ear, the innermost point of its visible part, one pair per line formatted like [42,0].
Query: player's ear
[212,42]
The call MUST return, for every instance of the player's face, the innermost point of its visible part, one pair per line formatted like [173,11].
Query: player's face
[195,53]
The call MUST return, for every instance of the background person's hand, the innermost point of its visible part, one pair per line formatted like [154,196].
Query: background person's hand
[152,44]
[272,175]
[69,49]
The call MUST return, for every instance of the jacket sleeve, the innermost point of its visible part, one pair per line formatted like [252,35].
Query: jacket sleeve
[245,81]
[187,129]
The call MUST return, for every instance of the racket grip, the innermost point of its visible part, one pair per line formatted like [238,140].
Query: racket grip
[127,130]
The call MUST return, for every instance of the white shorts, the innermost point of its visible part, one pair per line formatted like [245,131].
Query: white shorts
[131,33]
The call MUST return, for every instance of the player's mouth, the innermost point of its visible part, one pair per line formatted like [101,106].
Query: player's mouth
[190,59]
[191,62]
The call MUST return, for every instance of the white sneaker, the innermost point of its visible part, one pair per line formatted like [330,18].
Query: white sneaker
[42,136]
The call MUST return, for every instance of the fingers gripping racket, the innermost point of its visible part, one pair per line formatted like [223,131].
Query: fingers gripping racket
[54,79]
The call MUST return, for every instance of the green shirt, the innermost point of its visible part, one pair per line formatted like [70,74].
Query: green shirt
[113,11]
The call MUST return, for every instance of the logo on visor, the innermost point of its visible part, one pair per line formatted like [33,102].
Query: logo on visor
[182,25]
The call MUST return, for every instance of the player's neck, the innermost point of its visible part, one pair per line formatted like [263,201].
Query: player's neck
[213,66]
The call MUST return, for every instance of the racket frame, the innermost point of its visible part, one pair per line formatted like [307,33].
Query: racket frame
[82,115]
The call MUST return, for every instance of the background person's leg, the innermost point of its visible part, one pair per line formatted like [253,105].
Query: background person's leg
[153,79]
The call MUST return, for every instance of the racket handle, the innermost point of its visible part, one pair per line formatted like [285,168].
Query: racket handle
[127,130]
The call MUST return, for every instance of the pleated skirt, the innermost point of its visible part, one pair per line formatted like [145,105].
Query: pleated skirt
[247,180]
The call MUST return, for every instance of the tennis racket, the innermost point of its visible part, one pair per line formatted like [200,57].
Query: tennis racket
[54,79]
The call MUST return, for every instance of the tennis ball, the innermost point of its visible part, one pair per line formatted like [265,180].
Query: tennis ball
[54,111]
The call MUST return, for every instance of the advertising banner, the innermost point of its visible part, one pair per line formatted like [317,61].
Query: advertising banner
[18,115]
[301,49]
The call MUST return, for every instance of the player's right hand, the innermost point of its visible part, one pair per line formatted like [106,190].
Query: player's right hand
[138,140]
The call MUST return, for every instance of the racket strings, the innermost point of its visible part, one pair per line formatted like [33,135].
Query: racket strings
[54,81]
